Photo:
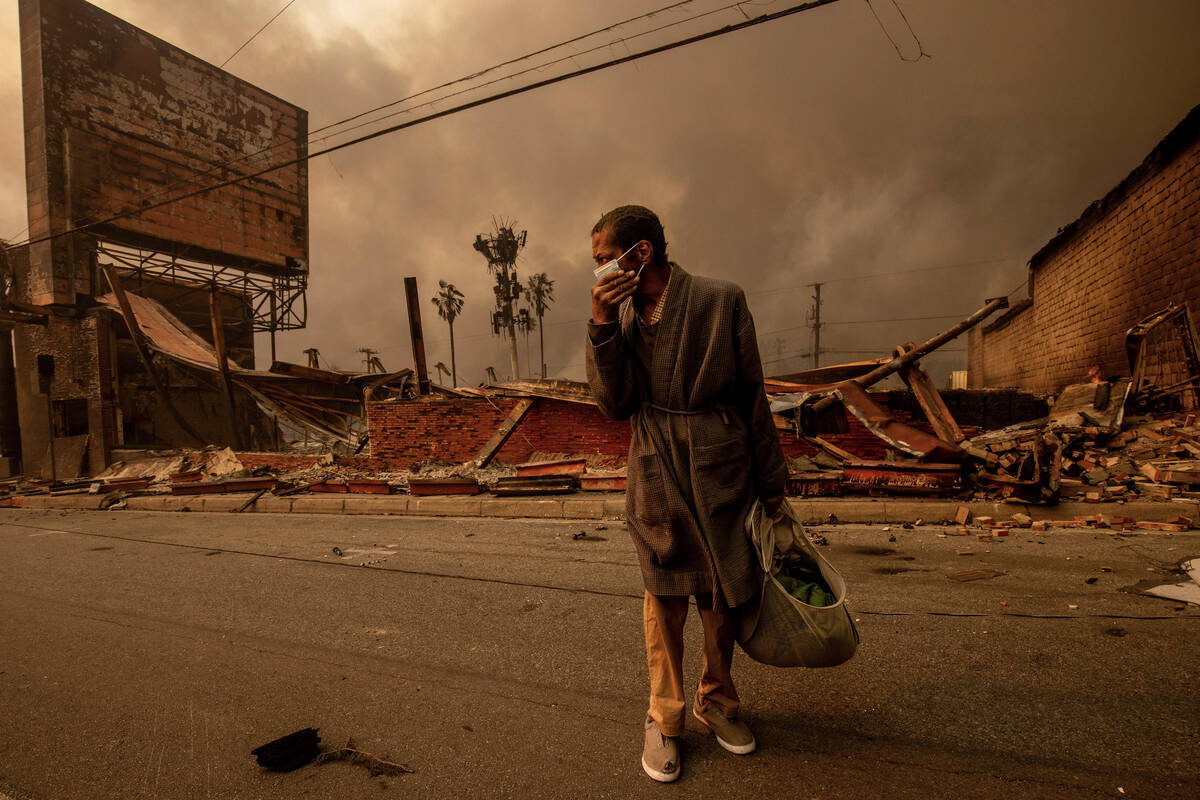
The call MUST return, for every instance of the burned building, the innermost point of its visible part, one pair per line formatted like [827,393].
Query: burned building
[1129,255]
[141,211]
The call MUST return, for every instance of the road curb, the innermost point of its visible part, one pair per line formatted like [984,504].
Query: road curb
[612,506]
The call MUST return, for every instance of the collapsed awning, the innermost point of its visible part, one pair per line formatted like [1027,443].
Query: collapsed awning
[333,408]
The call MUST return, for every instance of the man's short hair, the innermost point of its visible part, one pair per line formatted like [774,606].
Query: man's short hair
[630,225]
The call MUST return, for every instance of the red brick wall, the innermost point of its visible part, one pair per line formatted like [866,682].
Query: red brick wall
[453,431]
[74,345]
[1135,253]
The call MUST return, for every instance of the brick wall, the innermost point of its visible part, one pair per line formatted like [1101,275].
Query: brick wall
[1129,255]
[74,345]
[114,115]
[453,431]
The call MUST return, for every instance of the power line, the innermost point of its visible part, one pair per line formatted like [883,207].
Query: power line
[257,32]
[959,265]
[900,319]
[866,322]
[880,353]
[920,48]
[759,20]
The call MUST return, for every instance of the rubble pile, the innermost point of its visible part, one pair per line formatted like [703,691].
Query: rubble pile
[1148,458]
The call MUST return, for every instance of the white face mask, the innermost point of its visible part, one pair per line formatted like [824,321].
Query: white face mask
[613,266]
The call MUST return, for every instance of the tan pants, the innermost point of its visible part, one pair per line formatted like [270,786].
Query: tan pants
[664,616]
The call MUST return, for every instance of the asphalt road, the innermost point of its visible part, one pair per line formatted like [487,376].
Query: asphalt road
[144,655]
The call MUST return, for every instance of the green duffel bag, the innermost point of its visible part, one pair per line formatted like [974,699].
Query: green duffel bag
[777,628]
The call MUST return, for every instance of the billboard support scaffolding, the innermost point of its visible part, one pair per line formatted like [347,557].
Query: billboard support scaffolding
[277,302]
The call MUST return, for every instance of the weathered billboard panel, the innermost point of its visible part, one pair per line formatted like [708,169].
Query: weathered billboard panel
[116,119]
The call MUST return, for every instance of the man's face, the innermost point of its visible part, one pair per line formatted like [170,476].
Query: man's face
[604,250]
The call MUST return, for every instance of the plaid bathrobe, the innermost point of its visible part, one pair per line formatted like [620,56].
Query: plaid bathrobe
[703,444]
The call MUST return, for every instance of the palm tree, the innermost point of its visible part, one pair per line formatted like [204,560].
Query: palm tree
[449,302]
[540,292]
[524,324]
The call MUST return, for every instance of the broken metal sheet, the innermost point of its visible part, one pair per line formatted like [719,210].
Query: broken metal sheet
[334,409]
[899,435]
[165,333]
[786,402]
[1091,405]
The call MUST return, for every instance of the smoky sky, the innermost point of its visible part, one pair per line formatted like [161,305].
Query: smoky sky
[800,151]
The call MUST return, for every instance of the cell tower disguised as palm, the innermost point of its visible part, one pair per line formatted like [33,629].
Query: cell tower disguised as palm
[449,301]
[501,249]
[540,291]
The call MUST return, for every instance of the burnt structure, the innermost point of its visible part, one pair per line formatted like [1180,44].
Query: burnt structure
[117,122]
[1129,255]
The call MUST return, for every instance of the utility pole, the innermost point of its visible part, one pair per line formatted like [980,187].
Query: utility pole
[501,249]
[369,358]
[416,335]
[314,356]
[815,315]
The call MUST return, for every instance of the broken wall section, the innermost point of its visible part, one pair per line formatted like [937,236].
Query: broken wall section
[1128,255]
[81,398]
[114,115]
[452,430]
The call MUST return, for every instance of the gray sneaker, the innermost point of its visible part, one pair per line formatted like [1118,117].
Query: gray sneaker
[660,755]
[732,734]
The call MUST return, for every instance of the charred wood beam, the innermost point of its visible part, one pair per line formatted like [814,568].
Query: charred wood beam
[218,332]
[489,450]
[416,335]
[930,400]
[894,365]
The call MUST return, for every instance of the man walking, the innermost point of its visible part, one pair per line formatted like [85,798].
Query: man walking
[676,354]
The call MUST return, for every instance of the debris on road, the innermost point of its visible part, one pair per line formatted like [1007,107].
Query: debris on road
[1185,589]
[289,752]
[372,763]
[973,575]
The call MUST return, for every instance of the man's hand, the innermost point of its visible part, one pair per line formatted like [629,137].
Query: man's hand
[772,504]
[609,293]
